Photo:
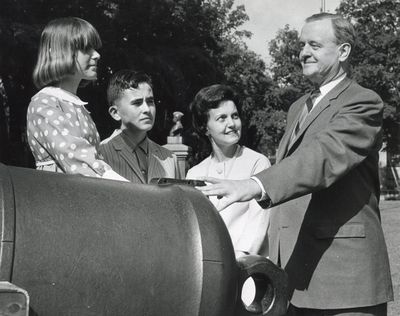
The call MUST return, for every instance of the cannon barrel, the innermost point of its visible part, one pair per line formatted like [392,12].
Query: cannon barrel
[86,246]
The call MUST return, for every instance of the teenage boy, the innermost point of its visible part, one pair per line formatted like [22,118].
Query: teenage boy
[129,151]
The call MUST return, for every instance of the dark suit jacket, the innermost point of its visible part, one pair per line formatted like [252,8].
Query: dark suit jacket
[326,229]
[120,156]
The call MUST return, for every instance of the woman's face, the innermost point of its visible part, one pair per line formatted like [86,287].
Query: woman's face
[86,64]
[224,126]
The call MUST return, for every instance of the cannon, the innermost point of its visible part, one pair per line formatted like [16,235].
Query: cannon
[73,245]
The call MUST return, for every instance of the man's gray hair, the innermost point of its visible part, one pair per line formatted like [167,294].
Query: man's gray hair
[342,28]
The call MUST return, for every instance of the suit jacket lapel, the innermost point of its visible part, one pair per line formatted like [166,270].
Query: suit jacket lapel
[153,154]
[127,153]
[283,146]
[316,111]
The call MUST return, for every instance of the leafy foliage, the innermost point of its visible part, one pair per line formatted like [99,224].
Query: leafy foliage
[183,44]
[376,59]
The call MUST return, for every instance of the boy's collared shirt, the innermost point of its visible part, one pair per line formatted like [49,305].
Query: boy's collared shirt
[140,150]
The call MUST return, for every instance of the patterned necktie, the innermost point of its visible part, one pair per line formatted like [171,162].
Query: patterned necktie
[306,109]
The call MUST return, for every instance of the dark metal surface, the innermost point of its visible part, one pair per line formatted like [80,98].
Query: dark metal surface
[271,285]
[86,246]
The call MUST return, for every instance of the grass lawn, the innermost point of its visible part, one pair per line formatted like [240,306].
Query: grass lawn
[390,211]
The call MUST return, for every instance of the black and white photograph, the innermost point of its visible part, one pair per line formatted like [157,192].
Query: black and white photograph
[200,157]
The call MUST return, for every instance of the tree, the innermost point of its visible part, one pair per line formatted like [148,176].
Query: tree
[376,59]
[196,45]
[289,82]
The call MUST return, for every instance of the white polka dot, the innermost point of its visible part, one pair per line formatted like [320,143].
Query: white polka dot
[84,150]
[33,142]
[36,134]
[70,103]
[41,150]
[39,109]
[68,115]
[56,122]
[39,157]
[45,101]
[83,155]
[61,118]
[32,110]
[84,165]
[55,132]
[61,157]
[41,134]
[27,133]
[84,130]
[49,112]
[70,155]
[70,123]
[53,99]
[90,139]
[62,144]
[95,164]
[73,146]
[77,123]
[35,99]
[53,144]
[64,132]
[46,132]
[34,122]
[86,124]
[73,167]
[39,121]
[79,110]
[46,120]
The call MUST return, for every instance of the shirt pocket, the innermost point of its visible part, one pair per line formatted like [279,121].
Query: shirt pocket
[349,230]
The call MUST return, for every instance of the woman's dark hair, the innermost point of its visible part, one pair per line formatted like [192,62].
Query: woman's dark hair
[210,98]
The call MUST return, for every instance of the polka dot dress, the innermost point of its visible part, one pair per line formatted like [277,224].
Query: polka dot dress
[62,135]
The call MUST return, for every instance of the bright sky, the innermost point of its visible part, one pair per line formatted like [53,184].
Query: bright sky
[268,16]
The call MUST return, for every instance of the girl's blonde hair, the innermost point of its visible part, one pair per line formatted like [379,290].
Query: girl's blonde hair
[61,39]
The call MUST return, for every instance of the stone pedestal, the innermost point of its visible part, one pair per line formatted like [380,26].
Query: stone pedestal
[174,144]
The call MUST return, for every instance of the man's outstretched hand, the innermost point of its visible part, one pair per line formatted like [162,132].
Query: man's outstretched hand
[232,190]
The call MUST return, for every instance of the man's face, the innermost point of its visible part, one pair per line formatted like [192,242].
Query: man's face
[319,54]
[136,108]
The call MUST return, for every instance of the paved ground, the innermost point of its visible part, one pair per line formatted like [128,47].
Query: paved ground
[391,227]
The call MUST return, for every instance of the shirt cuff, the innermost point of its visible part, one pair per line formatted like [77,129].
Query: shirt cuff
[263,192]
[264,200]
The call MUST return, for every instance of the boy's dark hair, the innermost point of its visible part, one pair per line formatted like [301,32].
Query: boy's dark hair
[123,80]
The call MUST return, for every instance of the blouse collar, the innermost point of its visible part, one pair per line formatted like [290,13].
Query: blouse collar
[63,94]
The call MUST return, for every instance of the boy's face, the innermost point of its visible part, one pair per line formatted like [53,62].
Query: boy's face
[135,109]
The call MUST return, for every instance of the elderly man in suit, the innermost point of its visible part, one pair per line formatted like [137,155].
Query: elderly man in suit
[325,230]
[129,151]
